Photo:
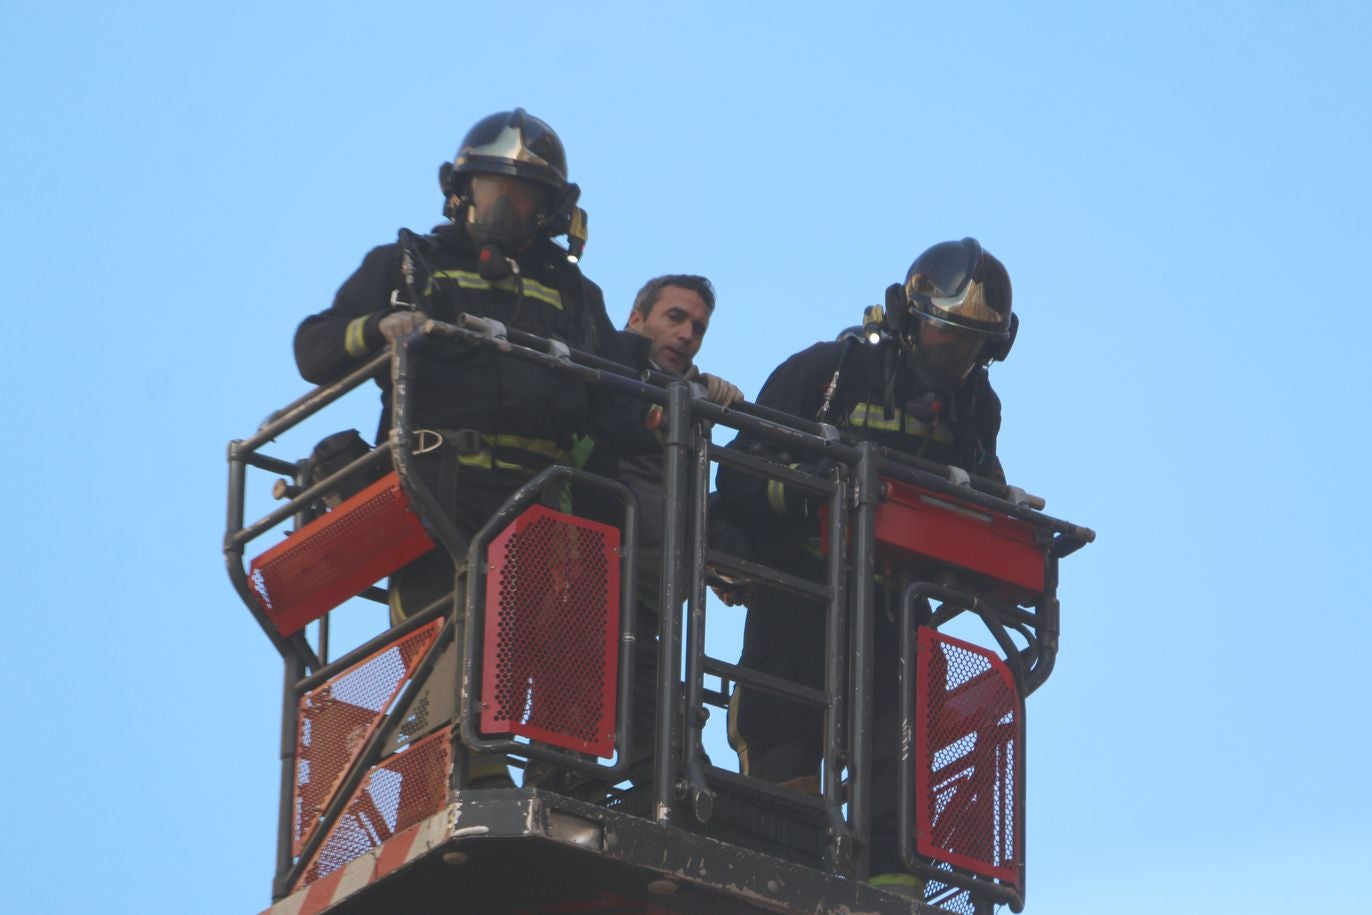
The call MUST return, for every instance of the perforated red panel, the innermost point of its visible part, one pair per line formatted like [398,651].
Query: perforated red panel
[337,555]
[969,748]
[396,794]
[337,718]
[552,616]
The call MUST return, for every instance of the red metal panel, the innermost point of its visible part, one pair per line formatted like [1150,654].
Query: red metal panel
[969,759]
[396,794]
[552,619]
[918,521]
[338,554]
[338,717]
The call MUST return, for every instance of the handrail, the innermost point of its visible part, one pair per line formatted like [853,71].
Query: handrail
[852,492]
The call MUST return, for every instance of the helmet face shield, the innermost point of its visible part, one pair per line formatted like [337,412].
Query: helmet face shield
[969,307]
[504,210]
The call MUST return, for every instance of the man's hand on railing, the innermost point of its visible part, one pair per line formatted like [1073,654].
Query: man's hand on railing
[720,391]
[401,324]
[717,390]
[731,590]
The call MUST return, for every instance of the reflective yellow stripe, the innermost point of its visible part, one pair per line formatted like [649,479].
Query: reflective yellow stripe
[915,427]
[533,289]
[776,494]
[541,446]
[873,416]
[354,338]
[483,461]
[486,461]
[480,765]
[909,881]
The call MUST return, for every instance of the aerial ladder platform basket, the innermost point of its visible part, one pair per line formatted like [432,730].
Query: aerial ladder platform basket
[538,659]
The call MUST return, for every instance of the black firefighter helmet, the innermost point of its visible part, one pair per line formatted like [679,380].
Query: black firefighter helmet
[514,143]
[959,284]
[519,145]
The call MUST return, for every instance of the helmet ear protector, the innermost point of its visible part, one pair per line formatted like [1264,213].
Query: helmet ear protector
[896,306]
[557,215]
[452,190]
[997,350]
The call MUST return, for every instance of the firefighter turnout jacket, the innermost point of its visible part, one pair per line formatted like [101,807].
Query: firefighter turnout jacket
[526,413]
[878,399]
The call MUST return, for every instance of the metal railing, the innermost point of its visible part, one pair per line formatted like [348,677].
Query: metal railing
[684,786]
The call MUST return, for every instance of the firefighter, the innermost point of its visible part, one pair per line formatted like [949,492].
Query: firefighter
[923,388]
[488,423]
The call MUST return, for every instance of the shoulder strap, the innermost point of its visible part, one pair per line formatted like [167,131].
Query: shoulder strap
[415,269]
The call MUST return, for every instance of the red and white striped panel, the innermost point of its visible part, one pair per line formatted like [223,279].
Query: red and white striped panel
[398,851]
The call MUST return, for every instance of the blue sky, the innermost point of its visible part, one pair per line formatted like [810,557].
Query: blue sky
[1180,192]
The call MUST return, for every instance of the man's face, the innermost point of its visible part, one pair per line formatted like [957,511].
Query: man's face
[504,209]
[676,325]
[947,354]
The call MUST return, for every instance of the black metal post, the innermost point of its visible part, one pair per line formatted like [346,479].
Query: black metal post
[867,493]
[1049,626]
[678,442]
[233,562]
[322,640]
[270,464]
[840,849]
[702,799]
[628,630]
[238,472]
[285,820]
[906,683]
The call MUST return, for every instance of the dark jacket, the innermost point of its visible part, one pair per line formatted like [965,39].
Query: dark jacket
[461,387]
[877,399]
[642,473]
